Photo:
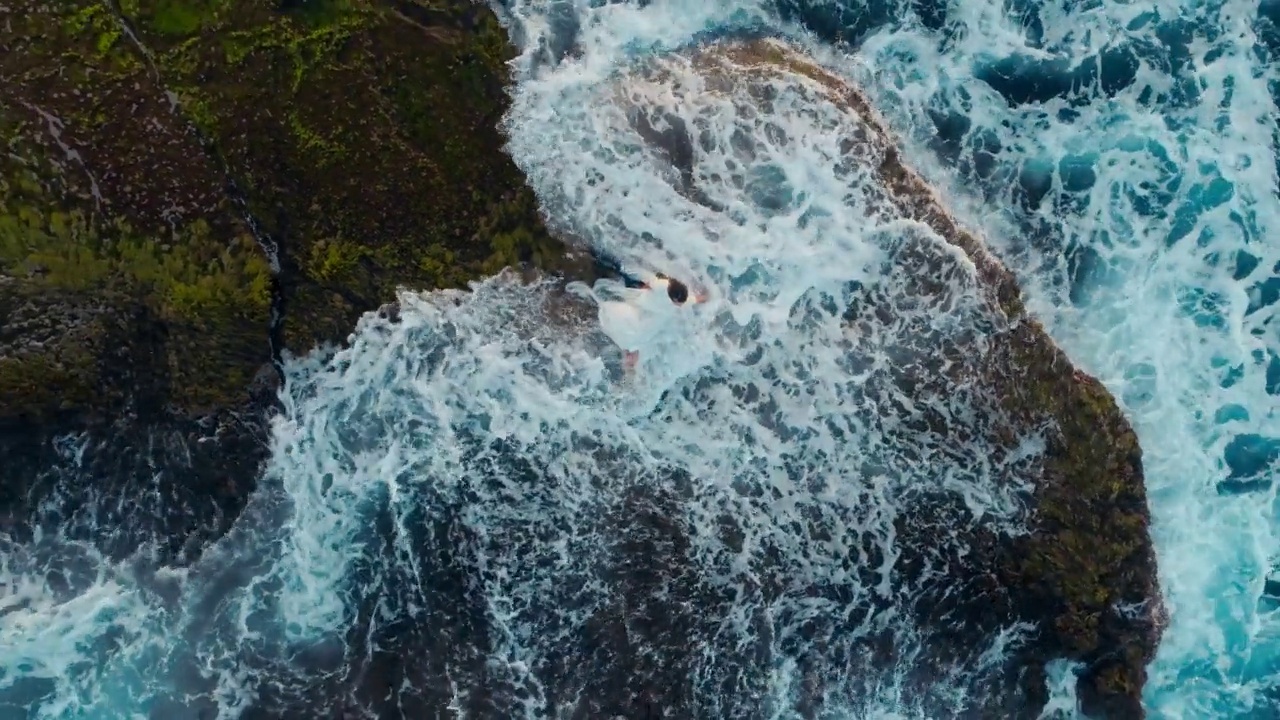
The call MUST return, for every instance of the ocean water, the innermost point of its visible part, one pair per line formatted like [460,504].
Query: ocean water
[469,511]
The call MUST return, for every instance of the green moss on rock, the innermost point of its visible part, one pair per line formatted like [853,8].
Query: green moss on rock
[365,134]
[361,134]
[188,277]
[190,315]
[113,219]
[1090,551]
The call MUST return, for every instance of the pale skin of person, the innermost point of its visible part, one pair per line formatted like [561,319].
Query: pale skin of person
[630,358]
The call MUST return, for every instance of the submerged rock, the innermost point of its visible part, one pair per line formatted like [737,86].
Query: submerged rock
[1079,567]
[190,188]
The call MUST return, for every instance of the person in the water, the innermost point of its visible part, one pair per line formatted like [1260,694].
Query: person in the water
[677,291]
[634,321]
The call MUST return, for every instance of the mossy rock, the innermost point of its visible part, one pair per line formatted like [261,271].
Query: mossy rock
[153,143]
[100,329]
[187,186]
[365,135]
[128,283]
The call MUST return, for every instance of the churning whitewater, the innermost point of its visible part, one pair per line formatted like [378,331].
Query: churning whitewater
[471,495]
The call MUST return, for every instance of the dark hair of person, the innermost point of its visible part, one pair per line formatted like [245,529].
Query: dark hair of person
[677,291]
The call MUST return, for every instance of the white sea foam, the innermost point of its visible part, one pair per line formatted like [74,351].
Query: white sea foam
[492,423]
[1159,317]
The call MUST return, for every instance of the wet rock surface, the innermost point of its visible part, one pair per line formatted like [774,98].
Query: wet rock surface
[1084,571]
[191,188]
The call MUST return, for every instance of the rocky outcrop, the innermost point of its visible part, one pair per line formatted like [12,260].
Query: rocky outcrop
[188,189]
[129,282]
[1083,573]
[363,137]
[171,152]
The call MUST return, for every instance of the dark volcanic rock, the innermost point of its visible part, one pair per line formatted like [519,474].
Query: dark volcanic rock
[129,284]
